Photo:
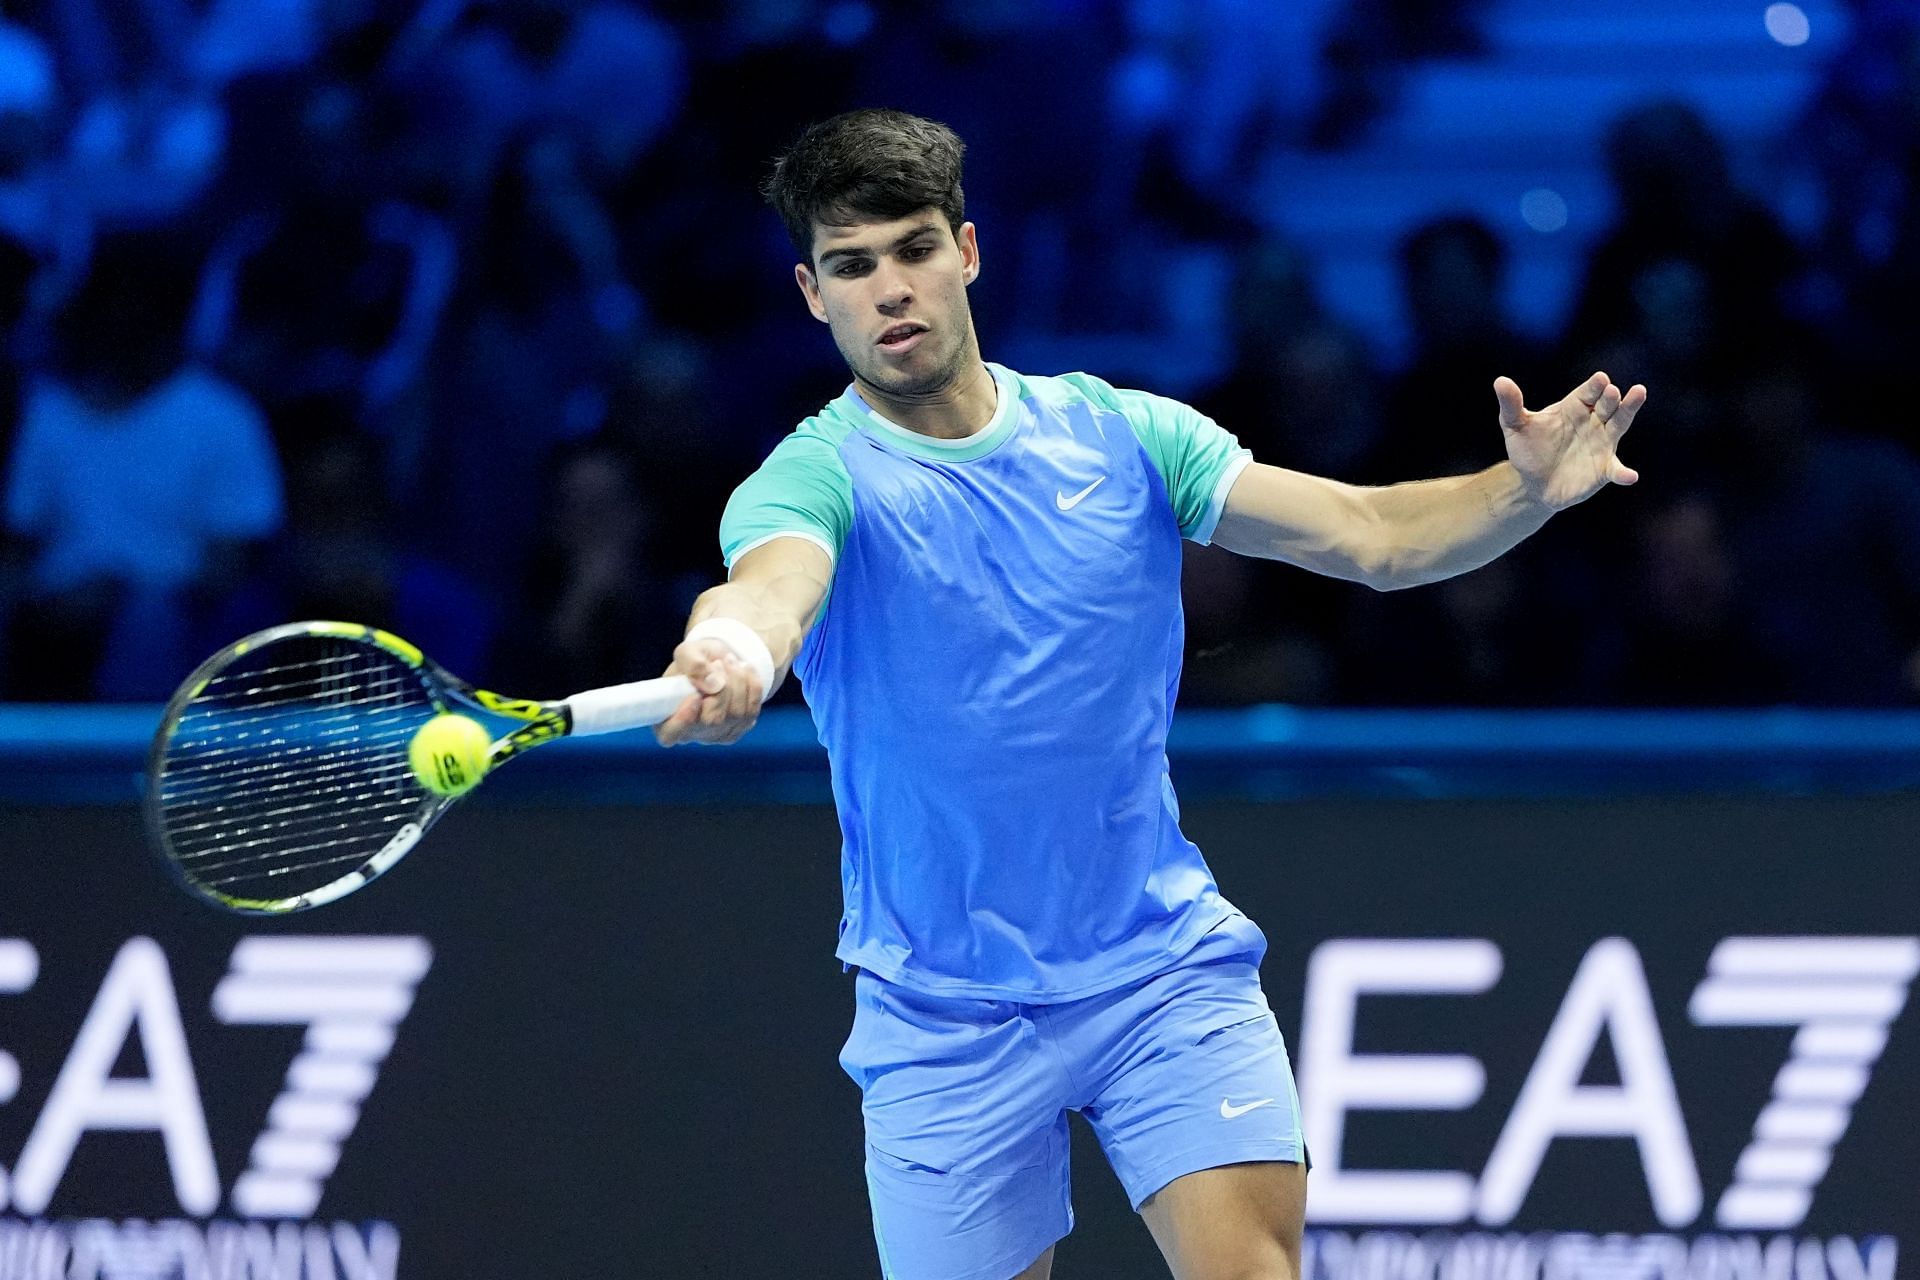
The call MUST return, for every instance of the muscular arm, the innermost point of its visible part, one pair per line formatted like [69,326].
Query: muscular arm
[1401,535]
[777,589]
[1404,535]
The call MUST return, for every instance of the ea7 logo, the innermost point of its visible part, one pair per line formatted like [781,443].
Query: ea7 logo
[349,992]
[1840,993]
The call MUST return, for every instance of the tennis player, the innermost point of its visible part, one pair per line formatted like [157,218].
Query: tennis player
[975,575]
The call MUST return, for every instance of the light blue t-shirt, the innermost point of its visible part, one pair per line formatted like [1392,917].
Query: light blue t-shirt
[993,677]
[137,494]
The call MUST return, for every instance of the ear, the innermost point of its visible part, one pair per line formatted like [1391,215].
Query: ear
[969,252]
[810,290]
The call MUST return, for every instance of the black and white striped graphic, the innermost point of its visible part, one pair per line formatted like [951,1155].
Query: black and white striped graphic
[351,993]
[1841,993]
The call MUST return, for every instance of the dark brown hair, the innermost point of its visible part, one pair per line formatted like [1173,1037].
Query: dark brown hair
[870,164]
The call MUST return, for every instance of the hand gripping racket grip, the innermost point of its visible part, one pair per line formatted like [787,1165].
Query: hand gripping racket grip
[627,706]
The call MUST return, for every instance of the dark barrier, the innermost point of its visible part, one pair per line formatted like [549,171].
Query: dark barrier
[1582,1036]
[613,1037]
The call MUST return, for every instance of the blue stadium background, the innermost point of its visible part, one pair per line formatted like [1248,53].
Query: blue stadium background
[462,318]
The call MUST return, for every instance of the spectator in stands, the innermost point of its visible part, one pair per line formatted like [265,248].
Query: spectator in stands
[593,613]
[336,250]
[1366,51]
[1460,650]
[1862,134]
[323,127]
[1678,201]
[463,231]
[1879,335]
[338,557]
[147,131]
[1253,634]
[19,267]
[1674,332]
[1859,150]
[525,361]
[607,76]
[1452,273]
[1687,640]
[661,415]
[1824,526]
[30,191]
[237,37]
[138,486]
[1300,393]
[1525,630]
[331,298]
[1301,389]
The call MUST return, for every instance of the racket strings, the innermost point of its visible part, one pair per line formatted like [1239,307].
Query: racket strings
[353,858]
[212,789]
[265,749]
[281,854]
[281,820]
[243,678]
[287,822]
[327,739]
[397,690]
[297,749]
[183,831]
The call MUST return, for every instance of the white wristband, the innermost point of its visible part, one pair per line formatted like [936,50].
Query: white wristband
[745,643]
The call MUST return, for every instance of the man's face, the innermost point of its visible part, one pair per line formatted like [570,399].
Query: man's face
[895,296]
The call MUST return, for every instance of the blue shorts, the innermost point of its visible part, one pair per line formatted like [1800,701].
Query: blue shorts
[966,1102]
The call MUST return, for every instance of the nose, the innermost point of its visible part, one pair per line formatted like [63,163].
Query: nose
[894,291]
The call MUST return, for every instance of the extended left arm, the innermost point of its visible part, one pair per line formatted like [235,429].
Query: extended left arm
[1404,535]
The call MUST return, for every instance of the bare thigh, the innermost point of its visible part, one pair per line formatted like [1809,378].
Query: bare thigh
[1234,1221]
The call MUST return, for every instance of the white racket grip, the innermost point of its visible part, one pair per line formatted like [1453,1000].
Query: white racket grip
[627,706]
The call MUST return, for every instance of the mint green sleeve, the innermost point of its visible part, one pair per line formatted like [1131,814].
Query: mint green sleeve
[1197,458]
[802,490]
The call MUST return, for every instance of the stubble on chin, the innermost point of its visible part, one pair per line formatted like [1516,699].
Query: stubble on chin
[900,383]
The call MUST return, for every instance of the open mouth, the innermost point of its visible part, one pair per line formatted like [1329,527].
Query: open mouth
[901,336]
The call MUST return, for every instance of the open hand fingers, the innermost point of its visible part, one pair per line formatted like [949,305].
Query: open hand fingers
[1615,410]
[1512,407]
[1630,403]
[1608,404]
[1591,392]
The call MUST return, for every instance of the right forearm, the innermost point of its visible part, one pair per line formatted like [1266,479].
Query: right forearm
[771,599]
[772,607]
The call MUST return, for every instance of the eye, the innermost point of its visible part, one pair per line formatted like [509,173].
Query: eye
[916,252]
[850,269]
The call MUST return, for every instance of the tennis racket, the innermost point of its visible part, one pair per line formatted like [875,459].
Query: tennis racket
[279,777]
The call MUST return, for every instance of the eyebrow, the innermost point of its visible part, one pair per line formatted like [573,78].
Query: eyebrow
[857,251]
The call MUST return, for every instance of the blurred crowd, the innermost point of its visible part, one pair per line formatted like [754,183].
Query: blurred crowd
[460,317]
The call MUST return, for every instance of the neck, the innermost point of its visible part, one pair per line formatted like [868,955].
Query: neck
[952,412]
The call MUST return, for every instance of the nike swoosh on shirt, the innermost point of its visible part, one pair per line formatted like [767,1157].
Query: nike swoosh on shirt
[1065,503]
[1229,1111]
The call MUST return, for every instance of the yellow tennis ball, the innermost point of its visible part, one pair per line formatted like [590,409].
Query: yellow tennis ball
[449,754]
